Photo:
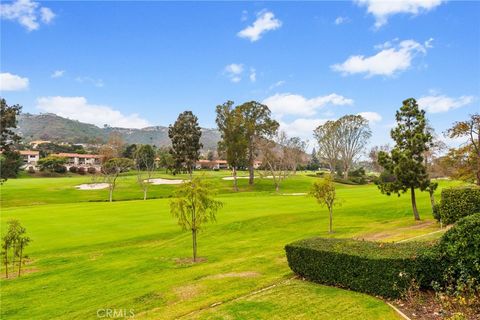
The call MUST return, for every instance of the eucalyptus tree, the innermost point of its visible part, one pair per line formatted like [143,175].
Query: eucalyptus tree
[353,133]
[258,125]
[233,143]
[328,140]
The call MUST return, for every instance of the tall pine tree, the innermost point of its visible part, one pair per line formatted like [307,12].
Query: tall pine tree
[405,161]
[185,135]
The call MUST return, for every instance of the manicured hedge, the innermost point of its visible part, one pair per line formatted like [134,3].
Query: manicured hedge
[383,269]
[458,203]
[460,248]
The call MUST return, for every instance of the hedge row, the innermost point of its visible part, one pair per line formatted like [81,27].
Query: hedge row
[457,203]
[383,269]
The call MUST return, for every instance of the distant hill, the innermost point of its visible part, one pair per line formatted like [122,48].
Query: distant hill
[49,126]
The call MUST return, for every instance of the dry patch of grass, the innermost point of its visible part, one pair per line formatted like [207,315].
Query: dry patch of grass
[187,292]
[245,274]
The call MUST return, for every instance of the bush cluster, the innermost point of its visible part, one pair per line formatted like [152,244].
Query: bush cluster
[460,248]
[458,203]
[383,269]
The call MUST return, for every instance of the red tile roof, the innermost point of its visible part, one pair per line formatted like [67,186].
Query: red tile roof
[78,155]
[29,152]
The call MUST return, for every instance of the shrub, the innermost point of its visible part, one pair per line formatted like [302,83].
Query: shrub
[91,170]
[81,170]
[73,169]
[31,170]
[458,203]
[460,247]
[60,169]
[383,269]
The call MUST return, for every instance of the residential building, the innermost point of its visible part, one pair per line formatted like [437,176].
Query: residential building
[213,164]
[30,157]
[82,160]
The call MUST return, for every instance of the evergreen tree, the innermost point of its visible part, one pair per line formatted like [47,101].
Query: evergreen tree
[405,162]
[185,135]
[10,160]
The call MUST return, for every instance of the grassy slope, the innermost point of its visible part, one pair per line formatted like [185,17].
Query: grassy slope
[123,254]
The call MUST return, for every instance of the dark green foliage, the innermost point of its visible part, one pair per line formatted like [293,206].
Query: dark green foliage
[258,125]
[91,170]
[185,135]
[53,164]
[383,269]
[81,171]
[10,163]
[144,156]
[129,151]
[406,161]
[10,160]
[458,203]
[436,212]
[8,122]
[73,169]
[460,248]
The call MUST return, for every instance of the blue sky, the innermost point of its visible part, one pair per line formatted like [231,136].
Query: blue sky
[134,64]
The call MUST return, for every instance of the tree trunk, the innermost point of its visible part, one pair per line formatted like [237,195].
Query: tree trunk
[111,194]
[330,227]
[20,260]
[194,244]
[432,200]
[277,186]
[6,262]
[145,194]
[235,185]
[251,173]
[414,204]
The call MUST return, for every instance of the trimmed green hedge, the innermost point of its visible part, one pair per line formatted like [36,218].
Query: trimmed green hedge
[383,269]
[458,203]
[460,248]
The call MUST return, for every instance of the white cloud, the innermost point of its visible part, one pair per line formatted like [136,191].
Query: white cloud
[441,103]
[12,82]
[234,72]
[57,74]
[277,84]
[387,62]
[27,13]
[301,127]
[78,108]
[382,9]
[294,104]
[253,75]
[96,82]
[266,21]
[341,20]
[371,116]
[244,16]
[47,15]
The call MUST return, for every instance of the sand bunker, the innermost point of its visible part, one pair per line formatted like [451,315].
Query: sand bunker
[92,186]
[295,194]
[164,181]
[231,178]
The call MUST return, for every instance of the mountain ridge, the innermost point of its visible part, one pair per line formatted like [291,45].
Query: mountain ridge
[49,126]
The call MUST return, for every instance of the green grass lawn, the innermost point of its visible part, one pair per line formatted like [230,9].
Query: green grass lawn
[128,254]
